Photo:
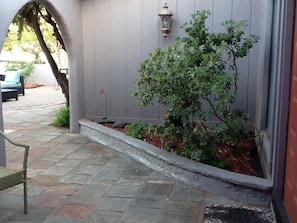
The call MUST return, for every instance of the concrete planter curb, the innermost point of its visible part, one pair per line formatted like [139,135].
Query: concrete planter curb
[236,186]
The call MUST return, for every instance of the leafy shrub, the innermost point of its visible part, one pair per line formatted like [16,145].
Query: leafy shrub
[62,117]
[135,129]
[196,70]
[25,68]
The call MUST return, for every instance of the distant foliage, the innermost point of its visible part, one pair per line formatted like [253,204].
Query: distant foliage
[25,68]
[197,70]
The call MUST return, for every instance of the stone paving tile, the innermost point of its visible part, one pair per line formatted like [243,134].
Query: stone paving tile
[34,172]
[215,199]
[131,181]
[158,188]
[183,193]
[91,146]
[4,214]
[64,150]
[53,157]
[165,218]
[137,169]
[57,170]
[123,191]
[157,177]
[90,193]
[69,162]
[104,217]
[77,178]
[149,201]
[88,169]
[113,204]
[36,153]
[144,215]
[14,165]
[10,201]
[119,161]
[48,200]
[98,161]
[61,219]
[33,190]
[41,164]
[84,181]
[181,208]
[107,175]
[35,215]
[64,189]
[79,155]
[44,180]
[76,211]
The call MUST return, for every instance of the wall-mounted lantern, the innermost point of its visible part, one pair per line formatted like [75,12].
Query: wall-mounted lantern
[165,16]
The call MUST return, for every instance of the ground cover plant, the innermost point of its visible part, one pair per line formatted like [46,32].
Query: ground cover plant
[62,118]
[196,77]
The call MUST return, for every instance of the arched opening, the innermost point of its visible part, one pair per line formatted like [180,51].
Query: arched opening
[34,47]
[70,28]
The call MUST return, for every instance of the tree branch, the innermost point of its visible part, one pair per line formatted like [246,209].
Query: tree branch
[216,113]
[49,19]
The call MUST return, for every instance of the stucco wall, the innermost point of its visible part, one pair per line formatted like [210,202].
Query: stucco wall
[118,35]
[42,75]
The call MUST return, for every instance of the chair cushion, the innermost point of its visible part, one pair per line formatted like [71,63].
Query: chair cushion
[10,177]
[9,84]
[12,76]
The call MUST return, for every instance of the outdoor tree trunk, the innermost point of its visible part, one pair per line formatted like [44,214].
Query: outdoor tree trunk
[30,14]
[60,77]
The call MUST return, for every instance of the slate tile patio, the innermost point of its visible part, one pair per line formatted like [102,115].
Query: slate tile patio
[73,179]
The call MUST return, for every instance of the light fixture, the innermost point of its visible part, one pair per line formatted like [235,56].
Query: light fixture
[165,16]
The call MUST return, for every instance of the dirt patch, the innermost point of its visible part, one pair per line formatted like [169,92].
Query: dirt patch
[32,85]
[244,161]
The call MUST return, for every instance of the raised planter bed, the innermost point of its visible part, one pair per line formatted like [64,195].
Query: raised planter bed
[233,185]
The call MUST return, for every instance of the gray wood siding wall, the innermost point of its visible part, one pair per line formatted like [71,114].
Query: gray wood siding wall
[119,34]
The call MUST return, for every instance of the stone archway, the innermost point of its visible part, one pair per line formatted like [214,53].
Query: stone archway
[68,16]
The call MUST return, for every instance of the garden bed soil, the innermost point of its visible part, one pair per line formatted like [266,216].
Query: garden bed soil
[244,161]
[32,85]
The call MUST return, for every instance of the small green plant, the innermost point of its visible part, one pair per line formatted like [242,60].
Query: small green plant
[25,68]
[136,129]
[62,117]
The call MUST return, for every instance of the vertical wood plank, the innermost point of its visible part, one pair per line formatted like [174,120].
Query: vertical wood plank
[150,36]
[102,57]
[118,35]
[258,24]
[241,10]
[201,5]
[133,53]
[89,52]
[117,74]
[222,11]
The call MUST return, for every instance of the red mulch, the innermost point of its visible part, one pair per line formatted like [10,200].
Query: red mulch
[240,161]
[32,85]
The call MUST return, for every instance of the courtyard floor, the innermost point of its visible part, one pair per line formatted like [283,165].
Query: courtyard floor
[74,179]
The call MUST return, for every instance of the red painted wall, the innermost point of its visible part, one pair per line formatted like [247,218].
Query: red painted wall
[290,190]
